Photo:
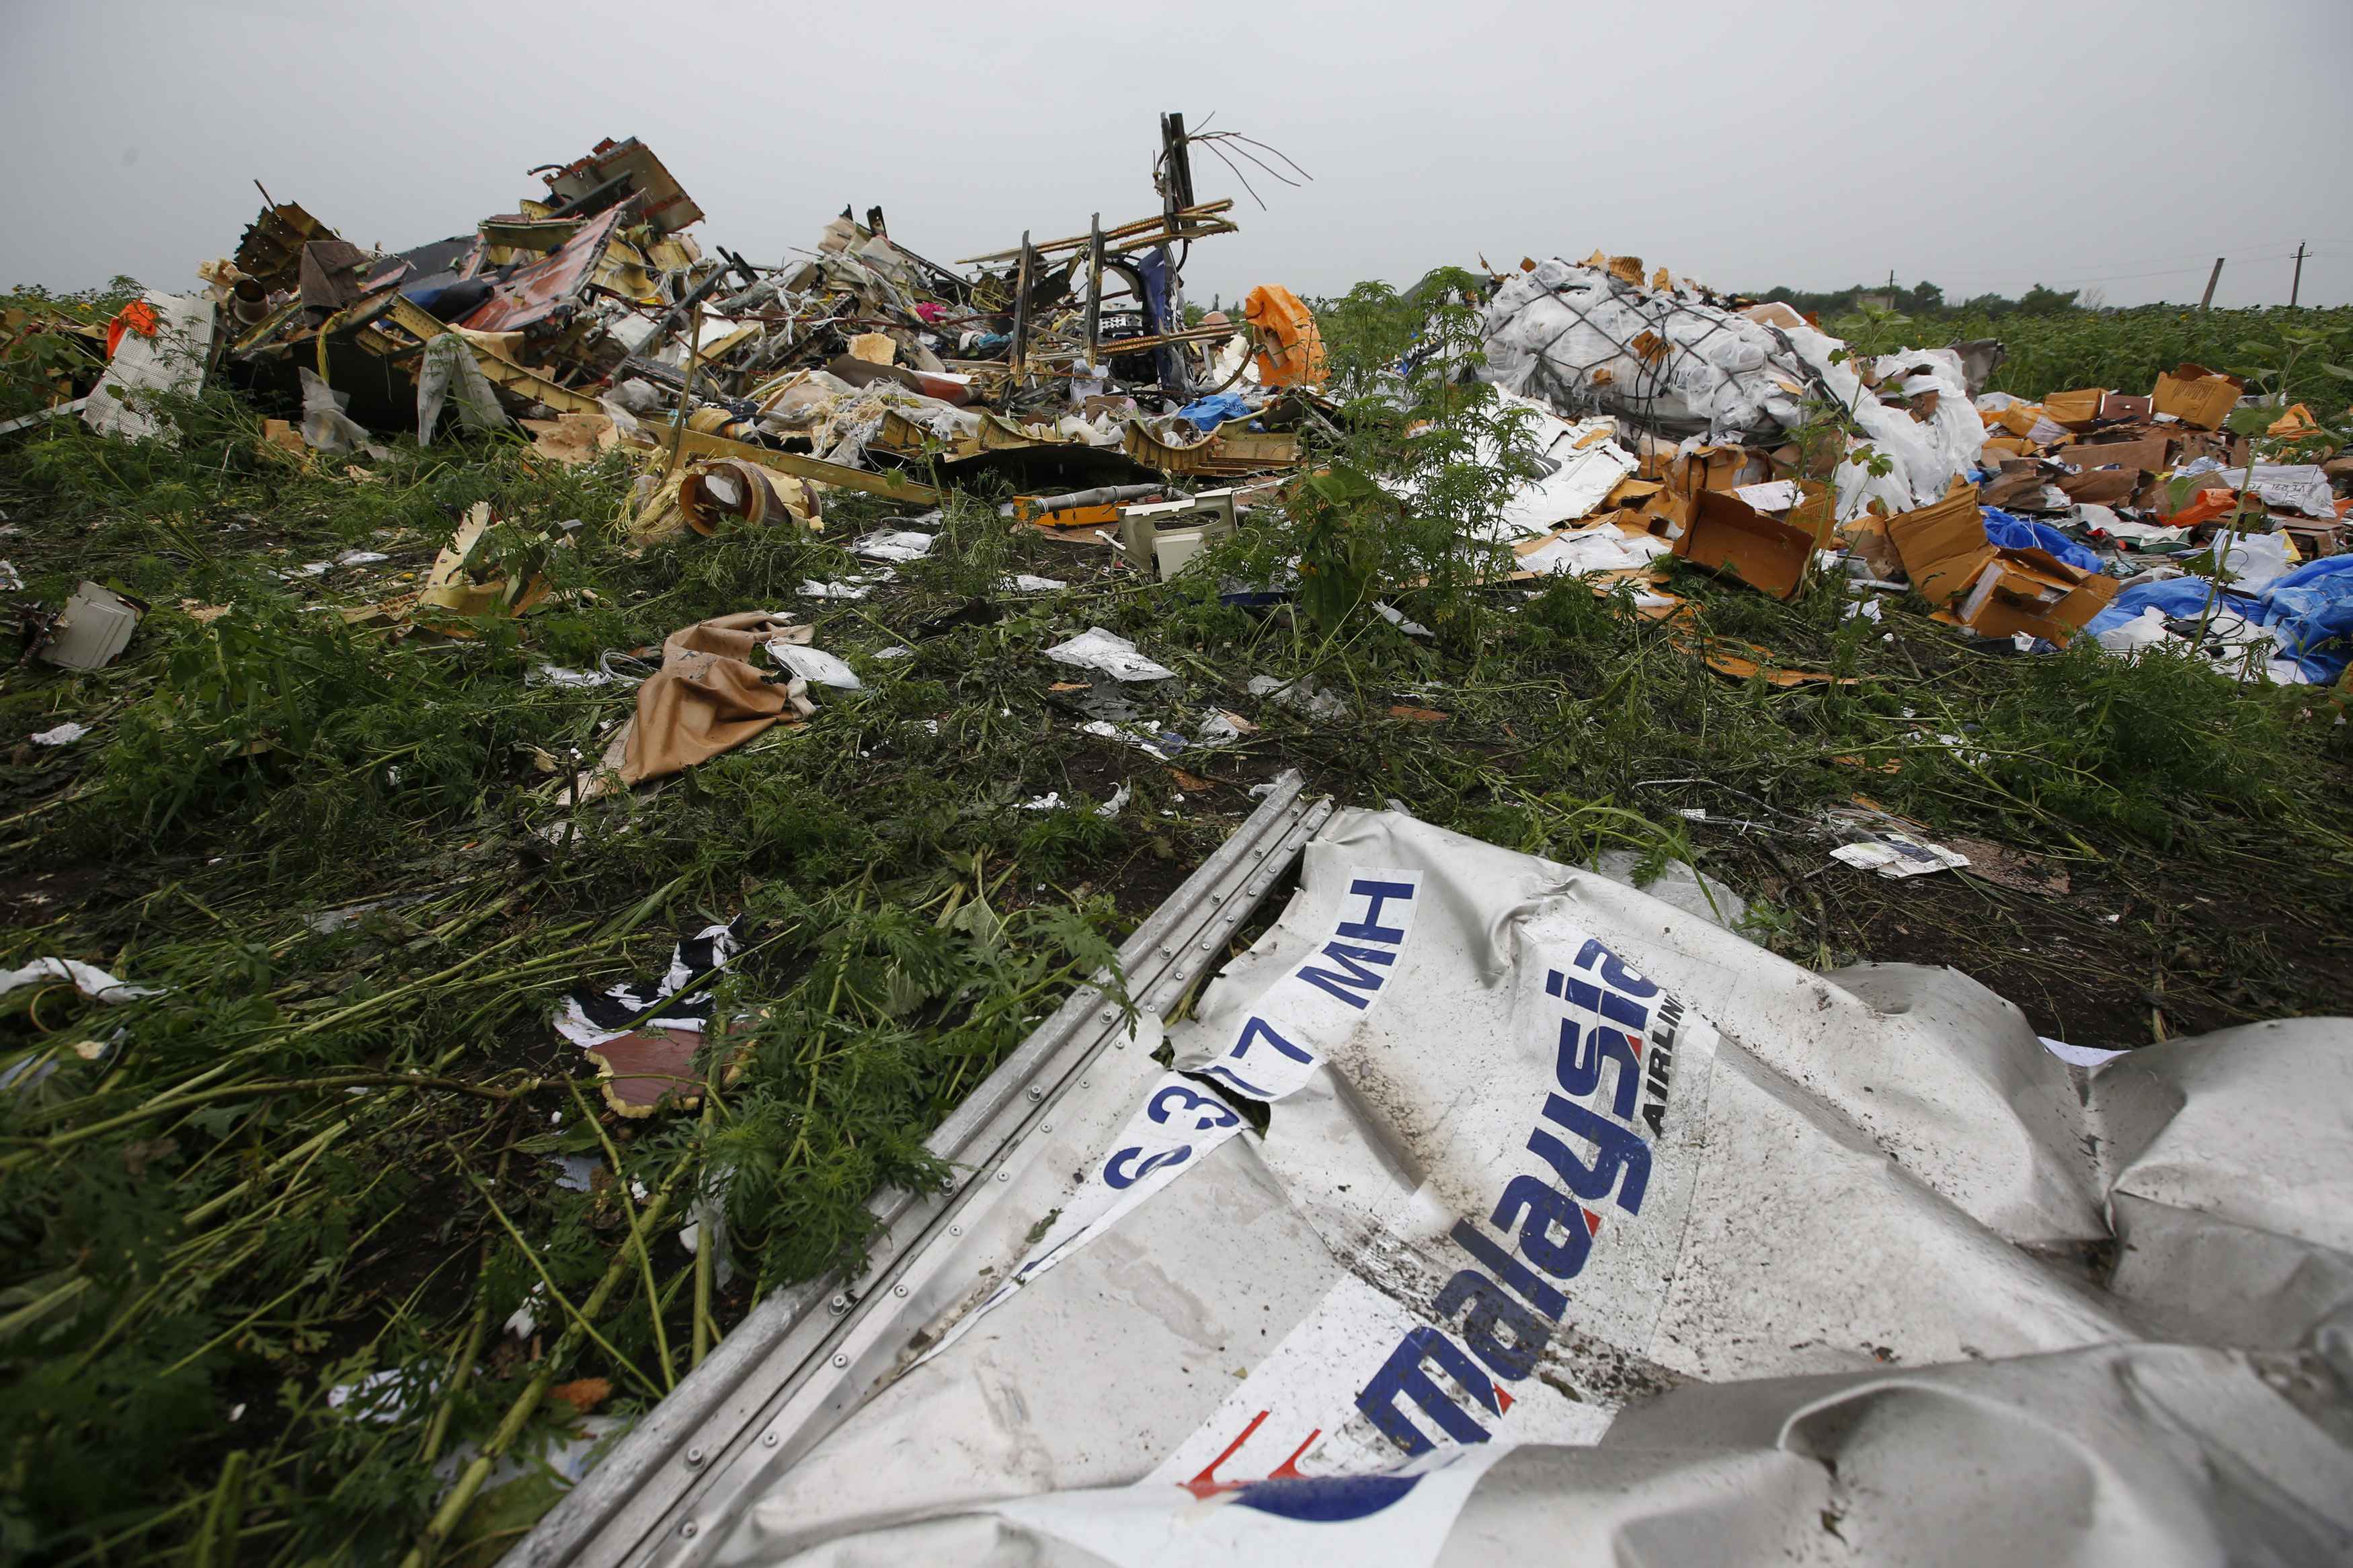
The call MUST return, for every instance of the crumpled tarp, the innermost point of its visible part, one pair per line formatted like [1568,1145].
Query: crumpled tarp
[2309,611]
[1207,413]
[707,698]
[1568,1227]
[2013,532]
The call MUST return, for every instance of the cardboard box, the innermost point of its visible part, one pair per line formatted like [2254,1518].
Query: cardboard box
[2033,592]
[1867,537]
[2145,452]
[2102,487]
[2020,485]
[1715,468]
[2315,540]
[1942,545]
[2198,396]
[2077,410]
[2192,445]
[2010,447]
[1727,534]
[2124,405]
[1945,552]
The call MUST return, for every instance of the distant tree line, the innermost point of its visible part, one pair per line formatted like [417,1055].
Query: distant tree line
[1925,298]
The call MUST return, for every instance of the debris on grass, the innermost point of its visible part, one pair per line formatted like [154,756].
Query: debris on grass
[332,1155]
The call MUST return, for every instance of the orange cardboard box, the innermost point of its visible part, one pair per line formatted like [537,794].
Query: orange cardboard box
[1942,545]
[2034,592]
[2147,452]
[2198,396]
[1716,468]
[2077,410]
[1727,534]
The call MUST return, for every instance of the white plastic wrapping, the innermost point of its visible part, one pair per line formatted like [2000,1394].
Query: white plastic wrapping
[447,369]
[171,361]
[1585,341]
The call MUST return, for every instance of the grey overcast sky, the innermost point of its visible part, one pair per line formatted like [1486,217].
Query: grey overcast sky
[1984,144]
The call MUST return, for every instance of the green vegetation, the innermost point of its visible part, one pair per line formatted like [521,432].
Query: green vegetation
[309,1158]
[2053,343]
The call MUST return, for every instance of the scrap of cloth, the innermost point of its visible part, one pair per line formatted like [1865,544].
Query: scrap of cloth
[707,698]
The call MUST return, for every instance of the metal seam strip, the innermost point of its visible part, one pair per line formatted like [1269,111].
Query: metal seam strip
[605,1519]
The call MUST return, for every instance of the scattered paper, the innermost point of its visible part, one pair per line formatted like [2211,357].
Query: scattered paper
[1301,695]
[1777,495]
[1893,854]
[815,665]
[899,545]
[1110,654]
[1397,620]
[1602,549]
[2077,1056]
[1023,583]
[556,675]
[65,734]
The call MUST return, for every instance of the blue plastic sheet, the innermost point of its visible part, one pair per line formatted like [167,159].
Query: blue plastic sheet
[2311,609]
[1209,412]
[2022,533]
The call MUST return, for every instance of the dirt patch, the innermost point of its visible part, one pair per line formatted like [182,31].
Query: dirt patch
[2115,962]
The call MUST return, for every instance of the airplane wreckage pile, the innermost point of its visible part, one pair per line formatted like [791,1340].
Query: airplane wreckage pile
[1481,1203]
[1666,419]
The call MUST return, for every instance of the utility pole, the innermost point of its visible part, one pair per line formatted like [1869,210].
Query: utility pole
[2212,278]
[2297,287]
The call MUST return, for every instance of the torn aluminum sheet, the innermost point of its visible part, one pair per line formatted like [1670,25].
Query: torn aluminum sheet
[1301,695]
[1397,618]
[170,360]
[1110,654]
[1577,1222]
[857,585]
